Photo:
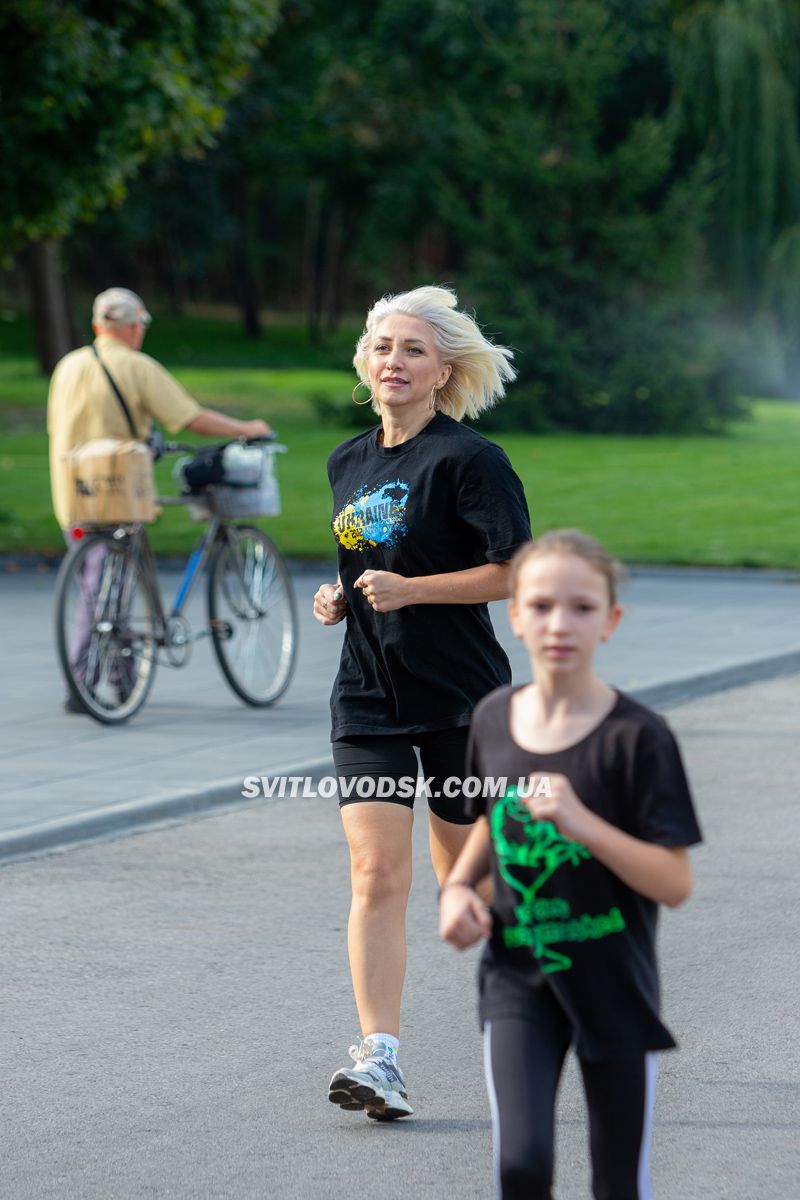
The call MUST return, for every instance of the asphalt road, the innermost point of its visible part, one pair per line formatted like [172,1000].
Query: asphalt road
[174,1003]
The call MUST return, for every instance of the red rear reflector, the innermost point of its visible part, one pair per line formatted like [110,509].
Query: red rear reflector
[77,533]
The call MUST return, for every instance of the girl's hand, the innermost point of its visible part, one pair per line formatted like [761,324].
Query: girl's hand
[329,604]
[384,590]
[557,802]
[463,917]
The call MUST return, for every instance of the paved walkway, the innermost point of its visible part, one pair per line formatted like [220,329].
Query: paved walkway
[175,1003]
[66,776]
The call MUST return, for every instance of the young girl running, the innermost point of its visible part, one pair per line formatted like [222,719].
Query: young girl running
[584,840]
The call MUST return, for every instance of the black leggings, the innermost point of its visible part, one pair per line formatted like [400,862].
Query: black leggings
[374,757]
[523,1064]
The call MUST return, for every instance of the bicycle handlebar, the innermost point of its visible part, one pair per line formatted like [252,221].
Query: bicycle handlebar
[163,447]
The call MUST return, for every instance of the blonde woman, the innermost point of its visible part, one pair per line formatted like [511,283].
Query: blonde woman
[427,514]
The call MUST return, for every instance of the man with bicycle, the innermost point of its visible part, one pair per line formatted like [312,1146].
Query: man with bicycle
[113,390]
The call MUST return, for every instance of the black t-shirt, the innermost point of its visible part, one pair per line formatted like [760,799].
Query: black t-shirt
[446,500]
[561,919]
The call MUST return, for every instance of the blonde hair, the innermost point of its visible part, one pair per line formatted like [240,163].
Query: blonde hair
[480,369]
[571,541]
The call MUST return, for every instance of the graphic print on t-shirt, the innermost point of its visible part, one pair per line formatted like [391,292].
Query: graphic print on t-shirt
[541,921]
[373,518]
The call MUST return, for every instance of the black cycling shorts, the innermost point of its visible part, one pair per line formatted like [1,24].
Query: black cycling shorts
[384,767]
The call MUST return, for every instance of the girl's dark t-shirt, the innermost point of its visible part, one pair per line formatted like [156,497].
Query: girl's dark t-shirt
[562,920]
[446,500]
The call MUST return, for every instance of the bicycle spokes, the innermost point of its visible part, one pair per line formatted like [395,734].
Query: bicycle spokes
[251,606]
[106,628]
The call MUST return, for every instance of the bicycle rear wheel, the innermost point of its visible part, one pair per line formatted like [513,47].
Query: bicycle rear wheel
[105,628]
[252,613]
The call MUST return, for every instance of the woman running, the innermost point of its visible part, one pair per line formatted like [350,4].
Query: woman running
[427,514]
[585,838]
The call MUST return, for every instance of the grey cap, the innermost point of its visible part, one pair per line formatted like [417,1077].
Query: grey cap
[117,307]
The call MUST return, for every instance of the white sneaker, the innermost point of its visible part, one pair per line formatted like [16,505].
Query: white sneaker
[375,1083]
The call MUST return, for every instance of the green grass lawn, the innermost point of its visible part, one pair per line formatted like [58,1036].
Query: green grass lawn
[727,501]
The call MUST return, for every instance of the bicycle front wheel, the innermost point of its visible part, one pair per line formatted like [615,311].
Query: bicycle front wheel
[105,628]
[252,613]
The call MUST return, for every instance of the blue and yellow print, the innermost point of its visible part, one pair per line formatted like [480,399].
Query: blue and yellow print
[373,518]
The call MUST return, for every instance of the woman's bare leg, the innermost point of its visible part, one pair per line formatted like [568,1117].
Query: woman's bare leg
[446,841]
[379,837]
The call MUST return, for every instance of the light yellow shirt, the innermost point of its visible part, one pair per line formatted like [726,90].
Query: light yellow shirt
[81,405]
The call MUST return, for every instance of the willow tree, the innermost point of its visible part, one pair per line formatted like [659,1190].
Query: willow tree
[737,73]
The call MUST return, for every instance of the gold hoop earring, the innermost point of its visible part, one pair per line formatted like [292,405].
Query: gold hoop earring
[369,398]
[434,390]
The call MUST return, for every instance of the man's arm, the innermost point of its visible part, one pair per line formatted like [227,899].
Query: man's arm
[215,424]
[168,402]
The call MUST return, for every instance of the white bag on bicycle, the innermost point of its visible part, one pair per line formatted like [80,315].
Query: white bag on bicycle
[250,488]
[243,466]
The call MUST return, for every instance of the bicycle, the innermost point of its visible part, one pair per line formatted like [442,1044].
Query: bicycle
[111,623]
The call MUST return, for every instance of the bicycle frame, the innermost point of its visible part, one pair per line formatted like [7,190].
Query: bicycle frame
[191,573]
[195,565]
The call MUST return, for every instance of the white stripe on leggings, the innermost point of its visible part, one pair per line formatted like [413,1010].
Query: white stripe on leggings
[643,1183]
[487,1066]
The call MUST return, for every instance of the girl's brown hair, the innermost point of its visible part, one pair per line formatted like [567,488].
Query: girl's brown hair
[571,541]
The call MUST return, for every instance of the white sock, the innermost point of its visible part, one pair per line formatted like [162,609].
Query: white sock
[392,1044]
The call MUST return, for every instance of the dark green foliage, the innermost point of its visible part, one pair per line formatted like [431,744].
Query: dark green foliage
[614,185]
[91,91]
[527,151]
[657,368]
[582,238]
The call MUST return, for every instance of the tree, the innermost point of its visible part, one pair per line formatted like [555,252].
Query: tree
[737,69]
[308,143]
[583,232]
[539,153]
[86,99]
[529,148]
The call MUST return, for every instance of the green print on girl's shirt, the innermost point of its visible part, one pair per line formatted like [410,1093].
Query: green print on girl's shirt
[542,921]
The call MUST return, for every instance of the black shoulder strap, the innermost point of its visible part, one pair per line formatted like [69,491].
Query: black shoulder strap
[116,391]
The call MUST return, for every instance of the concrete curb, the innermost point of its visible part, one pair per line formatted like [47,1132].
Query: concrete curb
[40,562]
[694,687]
[30,841]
